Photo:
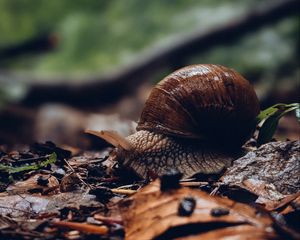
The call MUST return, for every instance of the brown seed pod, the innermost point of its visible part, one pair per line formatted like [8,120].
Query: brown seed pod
[194,120]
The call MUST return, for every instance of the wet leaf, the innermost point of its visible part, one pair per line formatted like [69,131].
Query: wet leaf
[33,184]
[271,117]
[241,232]
[9,169]
[275,110]
[153,214]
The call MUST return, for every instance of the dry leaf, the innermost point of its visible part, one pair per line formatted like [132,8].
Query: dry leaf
[42,183]
[152,214]
[241,232]
[70,182]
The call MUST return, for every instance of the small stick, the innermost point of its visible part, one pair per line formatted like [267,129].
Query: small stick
[214,192]
[108,220]
[128,186]
[83,227]
[72,169]
[123,191]
[193,184]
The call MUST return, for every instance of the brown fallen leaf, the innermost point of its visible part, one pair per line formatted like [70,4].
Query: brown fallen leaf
[241,232]
[70,182]
[153,214]
[42,183]
[83,227]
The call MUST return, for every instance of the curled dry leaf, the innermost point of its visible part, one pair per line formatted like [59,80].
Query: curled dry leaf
[42,183]
[152,214]
[271,172]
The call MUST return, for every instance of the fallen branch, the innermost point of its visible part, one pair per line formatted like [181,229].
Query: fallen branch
[102,90]
[38,44]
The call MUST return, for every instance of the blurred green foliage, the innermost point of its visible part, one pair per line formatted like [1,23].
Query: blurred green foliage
[267,48]
[101,36]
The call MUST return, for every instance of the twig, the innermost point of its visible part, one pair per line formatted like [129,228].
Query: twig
[193,184]
[214,192]
[123,191]
[83,227]
[128,186]
[108,220]
[79,177]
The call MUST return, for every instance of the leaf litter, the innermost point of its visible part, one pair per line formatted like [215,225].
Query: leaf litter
[87,196]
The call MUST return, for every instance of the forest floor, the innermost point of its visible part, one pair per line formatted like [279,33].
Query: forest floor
[48,192]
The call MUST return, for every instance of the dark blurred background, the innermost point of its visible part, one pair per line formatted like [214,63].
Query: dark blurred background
[69,65]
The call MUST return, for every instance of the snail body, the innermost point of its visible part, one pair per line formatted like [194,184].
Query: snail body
[194,120]
[157,152]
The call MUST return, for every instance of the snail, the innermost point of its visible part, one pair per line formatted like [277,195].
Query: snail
[195,119]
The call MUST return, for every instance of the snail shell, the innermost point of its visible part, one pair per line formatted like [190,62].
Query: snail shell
[194,120]
[202,101]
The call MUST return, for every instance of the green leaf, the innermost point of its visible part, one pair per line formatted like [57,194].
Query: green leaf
[271,117]
[10,170]
[267,131]
[276,110]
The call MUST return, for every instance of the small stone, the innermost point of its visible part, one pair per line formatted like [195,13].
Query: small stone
[170,180]
[218,212]
[60,171]
[42,181]
[186,206]
[96,171]
[103,194]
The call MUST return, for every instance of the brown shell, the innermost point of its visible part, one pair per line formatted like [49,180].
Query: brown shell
[202,101]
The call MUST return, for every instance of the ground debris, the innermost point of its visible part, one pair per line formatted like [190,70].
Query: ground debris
[272,172]
[77,197]
[53,201]
[38,183]
[152,214]
[24,205]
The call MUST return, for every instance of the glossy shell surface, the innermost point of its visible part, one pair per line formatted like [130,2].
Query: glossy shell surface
[206,101]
